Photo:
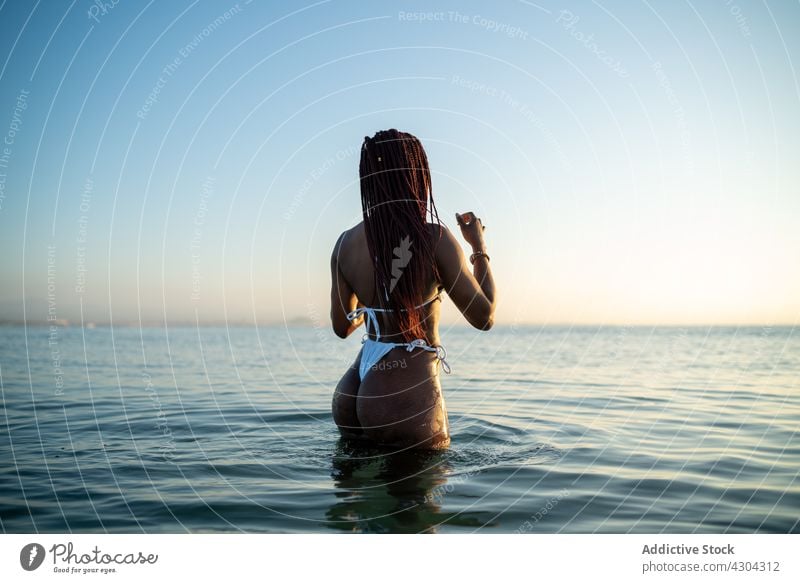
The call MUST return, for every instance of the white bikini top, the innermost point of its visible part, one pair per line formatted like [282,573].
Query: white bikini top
[372,319]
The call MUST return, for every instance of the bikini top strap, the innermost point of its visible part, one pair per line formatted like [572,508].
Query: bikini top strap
[371,318]
[438,296]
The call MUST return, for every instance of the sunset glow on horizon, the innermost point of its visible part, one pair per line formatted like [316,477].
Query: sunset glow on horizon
[634,164]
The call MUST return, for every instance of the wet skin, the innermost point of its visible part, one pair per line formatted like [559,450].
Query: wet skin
[401,406]
[400,402]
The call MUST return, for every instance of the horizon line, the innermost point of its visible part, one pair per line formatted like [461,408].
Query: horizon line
[304,324]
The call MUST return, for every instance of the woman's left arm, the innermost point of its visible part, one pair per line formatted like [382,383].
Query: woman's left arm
[343,298]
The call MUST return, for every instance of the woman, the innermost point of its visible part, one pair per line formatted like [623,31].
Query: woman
[388,272]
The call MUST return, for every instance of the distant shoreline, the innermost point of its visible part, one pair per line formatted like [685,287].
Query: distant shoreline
[306,324]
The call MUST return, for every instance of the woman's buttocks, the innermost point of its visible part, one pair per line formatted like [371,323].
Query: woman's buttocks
[400,400]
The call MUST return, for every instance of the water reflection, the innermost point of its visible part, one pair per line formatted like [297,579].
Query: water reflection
[383,491]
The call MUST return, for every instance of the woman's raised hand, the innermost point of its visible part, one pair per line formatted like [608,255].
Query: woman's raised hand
[471,229]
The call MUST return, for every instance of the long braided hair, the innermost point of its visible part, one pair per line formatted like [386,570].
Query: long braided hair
[396,200]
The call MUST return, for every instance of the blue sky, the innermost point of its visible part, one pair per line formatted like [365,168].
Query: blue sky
[636,163]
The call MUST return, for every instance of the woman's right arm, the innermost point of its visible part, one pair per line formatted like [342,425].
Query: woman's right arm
[343,299]
[473,293]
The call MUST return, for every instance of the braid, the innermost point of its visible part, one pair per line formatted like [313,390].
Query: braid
[396,200]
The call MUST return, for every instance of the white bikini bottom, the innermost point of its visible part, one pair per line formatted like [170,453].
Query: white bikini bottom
[373,351]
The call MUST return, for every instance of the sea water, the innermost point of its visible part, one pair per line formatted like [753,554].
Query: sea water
[554,429]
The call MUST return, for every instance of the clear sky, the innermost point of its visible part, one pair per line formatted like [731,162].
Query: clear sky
[634,162]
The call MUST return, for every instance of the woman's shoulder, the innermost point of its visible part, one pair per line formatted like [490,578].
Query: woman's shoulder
[441,235]
[355,236]
[438,230]
[350,234]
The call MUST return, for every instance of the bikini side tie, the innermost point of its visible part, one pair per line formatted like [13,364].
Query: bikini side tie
[372,319]
[441,353]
